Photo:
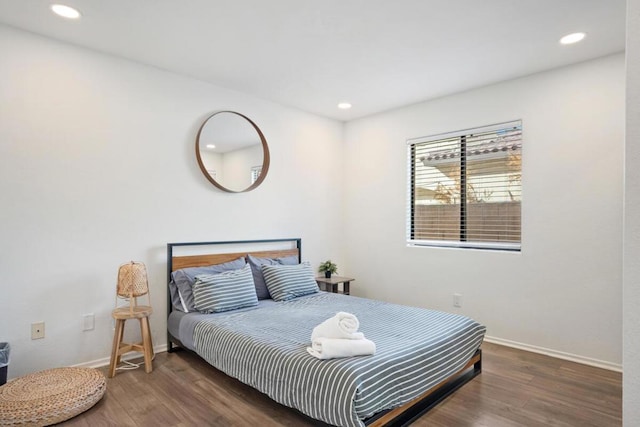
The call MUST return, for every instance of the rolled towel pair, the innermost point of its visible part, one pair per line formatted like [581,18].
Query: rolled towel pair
[338,336]
[333,348]
[342,325]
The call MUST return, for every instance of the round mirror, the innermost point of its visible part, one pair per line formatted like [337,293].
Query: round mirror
[232,152]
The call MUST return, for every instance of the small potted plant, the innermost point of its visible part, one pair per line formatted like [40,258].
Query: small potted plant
[328,268]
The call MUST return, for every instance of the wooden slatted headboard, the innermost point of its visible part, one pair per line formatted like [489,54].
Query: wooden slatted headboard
[180,262]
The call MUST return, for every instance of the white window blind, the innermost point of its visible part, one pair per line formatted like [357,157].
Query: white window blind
[465,188]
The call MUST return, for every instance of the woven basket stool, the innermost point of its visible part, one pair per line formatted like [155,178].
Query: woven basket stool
[49,397]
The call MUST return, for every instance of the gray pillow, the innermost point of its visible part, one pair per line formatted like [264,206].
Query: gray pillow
[226,291]
[176,301]
[289,281]
[256,269]
[185,278]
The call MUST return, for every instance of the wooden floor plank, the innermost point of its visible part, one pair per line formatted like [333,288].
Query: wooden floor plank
[103,414]
[516,388]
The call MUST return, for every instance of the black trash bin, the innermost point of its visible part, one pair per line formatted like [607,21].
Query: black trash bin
[5,349]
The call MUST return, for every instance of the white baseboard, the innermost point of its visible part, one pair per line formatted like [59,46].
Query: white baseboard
[557,354]
[98,363]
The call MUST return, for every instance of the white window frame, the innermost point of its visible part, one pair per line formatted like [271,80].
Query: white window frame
[505,246]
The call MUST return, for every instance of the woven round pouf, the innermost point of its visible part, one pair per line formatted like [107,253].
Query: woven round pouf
[48,397]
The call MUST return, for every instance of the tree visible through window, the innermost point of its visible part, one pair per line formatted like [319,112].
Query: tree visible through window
[465,188]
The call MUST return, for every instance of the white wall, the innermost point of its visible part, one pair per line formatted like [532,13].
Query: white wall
[563,291]
[237,166]
[97,168]
[213,162]
[631,300]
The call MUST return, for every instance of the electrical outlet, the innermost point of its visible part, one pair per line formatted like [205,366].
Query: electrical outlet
[88,322]
[457,300]
[37,330]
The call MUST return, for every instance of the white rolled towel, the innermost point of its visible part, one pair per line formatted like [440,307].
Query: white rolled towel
[342,325]
[333,348]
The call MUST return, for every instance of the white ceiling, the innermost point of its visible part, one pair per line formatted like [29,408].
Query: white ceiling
[376,54]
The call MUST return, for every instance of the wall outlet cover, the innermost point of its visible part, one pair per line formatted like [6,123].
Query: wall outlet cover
[88,322]
[37,330]
[457,300]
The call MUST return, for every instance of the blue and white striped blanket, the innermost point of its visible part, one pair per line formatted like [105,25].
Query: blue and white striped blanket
[266,349]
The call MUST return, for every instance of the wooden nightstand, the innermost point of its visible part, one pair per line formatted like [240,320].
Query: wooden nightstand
[331,284]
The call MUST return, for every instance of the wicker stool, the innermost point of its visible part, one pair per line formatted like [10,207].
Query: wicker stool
[49,397]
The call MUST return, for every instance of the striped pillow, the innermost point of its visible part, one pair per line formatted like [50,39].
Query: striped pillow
[289,281]
[225,291]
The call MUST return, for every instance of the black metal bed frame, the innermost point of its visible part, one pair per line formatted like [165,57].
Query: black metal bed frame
[405,418]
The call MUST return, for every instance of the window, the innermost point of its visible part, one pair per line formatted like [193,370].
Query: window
[465,188]
[255,173]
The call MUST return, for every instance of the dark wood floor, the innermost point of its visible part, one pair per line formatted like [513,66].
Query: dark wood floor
[516,388]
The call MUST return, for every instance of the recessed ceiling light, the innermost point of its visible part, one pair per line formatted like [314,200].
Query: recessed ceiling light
[65,11]
[344,106]
[211,146]
[572,38]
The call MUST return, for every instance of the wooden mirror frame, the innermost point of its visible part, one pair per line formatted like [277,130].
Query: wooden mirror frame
[265,154]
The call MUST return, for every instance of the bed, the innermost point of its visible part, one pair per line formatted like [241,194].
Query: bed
[422,355]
